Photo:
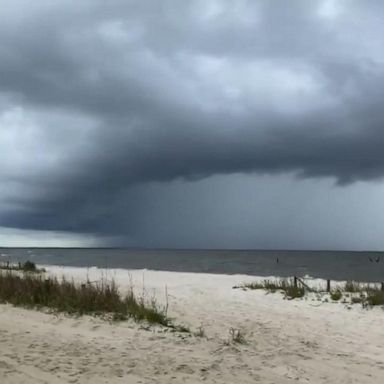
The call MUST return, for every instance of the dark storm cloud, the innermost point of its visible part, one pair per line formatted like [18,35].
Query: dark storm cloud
[96,98]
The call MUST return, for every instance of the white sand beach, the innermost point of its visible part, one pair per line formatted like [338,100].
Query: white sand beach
[296,341]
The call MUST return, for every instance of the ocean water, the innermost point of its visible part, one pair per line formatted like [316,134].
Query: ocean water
[360,266]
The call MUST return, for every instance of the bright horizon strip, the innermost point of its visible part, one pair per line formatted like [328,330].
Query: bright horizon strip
[10,237]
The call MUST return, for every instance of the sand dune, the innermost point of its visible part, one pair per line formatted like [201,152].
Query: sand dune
[299,341]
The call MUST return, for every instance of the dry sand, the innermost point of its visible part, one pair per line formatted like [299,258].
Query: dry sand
[300,341]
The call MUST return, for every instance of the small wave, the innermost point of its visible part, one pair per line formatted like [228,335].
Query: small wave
[306,276]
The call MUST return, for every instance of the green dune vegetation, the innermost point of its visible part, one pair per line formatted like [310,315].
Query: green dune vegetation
[21,286]
[27,266]
[368,294]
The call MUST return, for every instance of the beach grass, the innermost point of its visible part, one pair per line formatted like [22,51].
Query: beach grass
[336,295]
[294,292]
[28,266]
[363,293]
[237,336]
[375,297]
[102,298]
[287,286]
[354,287]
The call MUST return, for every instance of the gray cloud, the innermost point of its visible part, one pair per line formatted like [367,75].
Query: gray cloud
[97,100]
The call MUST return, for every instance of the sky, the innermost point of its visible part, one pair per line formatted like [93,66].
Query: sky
[199,124]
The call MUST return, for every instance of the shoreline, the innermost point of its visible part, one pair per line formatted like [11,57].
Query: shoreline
[120,273]
[334,265]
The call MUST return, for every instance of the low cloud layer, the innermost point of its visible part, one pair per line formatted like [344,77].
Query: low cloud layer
[98,100]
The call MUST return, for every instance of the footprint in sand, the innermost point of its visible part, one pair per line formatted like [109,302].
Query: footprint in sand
[184,368]
[3,365]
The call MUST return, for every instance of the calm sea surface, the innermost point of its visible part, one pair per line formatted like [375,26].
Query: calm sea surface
[363,266]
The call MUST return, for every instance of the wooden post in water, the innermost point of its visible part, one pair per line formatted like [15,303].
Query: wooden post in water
[328,285]
[295,281]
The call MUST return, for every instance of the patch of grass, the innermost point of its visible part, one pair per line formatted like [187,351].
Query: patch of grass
[34,291]
[369,294]
[268,285]
[253,285]
[375,297]
[274,286]
[293,292]
[336,295]
[286,285]
[237,336]
[200,332]
[28,266]
[357,299]
[352,287]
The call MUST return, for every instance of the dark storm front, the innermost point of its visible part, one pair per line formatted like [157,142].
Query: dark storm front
[362,266]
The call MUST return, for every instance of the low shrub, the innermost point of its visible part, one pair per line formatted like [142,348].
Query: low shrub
[28,266]
[294,292]
[375,297]
[336,295]
[353,287]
